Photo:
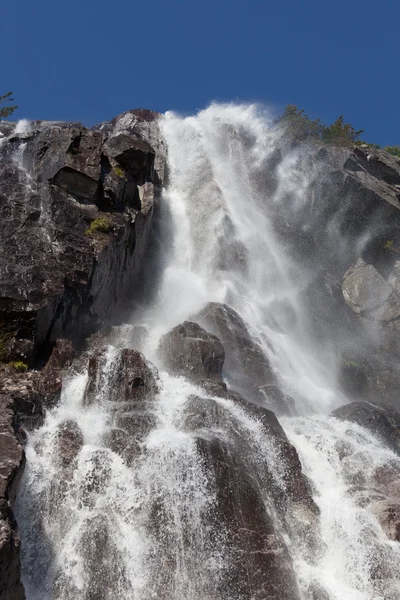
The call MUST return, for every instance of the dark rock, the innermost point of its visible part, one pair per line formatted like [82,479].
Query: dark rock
[290,491]
[190,350]
[258,564]
[247,367]
[384,423]
[135,155]
[58,277]
[129,384]
[12,462]
[70,441]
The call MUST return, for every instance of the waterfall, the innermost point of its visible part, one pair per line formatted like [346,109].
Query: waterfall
[89,532]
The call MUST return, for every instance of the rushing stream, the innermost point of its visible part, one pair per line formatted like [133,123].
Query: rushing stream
[218,245]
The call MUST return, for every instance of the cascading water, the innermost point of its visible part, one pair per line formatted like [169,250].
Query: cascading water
[222,249]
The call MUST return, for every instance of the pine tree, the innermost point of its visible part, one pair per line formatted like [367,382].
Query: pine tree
[6,111]
[340,132]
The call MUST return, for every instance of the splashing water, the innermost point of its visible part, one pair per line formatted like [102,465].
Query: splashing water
[224,249]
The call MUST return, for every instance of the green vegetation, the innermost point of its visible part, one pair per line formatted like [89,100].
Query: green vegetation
[301,128]
[389,246]
[99,225]
[118,171]
[395,150]
[18,365]
[350,364]
[6,111]
[5,337]
[373,146]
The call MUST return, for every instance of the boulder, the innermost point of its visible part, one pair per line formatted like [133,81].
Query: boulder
[246,365]
[369,295]
[190,350]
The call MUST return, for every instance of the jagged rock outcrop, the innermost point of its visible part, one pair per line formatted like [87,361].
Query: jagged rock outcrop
[257,561]
[76,209]
[190,350]
[130,389]
[246,365]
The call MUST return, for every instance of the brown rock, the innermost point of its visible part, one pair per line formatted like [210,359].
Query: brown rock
[190,350]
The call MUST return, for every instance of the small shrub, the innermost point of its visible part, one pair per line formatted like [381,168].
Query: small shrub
[394,150]
[18,365]
[99,225]
[118,171]
[298,125]
[389,247]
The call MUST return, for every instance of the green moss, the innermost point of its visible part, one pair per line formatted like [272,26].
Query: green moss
[99,225]
[389,245]
[118,171]
[18,366]
[350,364]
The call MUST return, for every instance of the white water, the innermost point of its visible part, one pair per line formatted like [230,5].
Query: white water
[218,210]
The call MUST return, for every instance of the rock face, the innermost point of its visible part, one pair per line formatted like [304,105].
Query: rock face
[246,366]
[257,561]
[131,390]
[190,350]
[12,461]
[383,423]
[76,222]
[369,295]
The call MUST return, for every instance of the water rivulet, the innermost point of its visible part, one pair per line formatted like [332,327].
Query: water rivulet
[192,455]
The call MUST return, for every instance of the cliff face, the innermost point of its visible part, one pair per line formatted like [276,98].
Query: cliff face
[77,209]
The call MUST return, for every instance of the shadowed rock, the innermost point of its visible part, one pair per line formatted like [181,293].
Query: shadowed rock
[12,463]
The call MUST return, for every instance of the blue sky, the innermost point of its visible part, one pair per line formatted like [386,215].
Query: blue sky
[88,61]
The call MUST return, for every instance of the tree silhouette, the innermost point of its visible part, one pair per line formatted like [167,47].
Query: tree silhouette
[6,111]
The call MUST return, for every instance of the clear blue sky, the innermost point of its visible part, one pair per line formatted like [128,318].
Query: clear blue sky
[89,60]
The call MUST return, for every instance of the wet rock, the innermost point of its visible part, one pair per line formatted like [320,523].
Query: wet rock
[190,350]
[12,462]
[297,486]
[387,513]
[129,384]
[289,491]
[257,561]
[70,442]
[384,423]
[368,294]
[246,366]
